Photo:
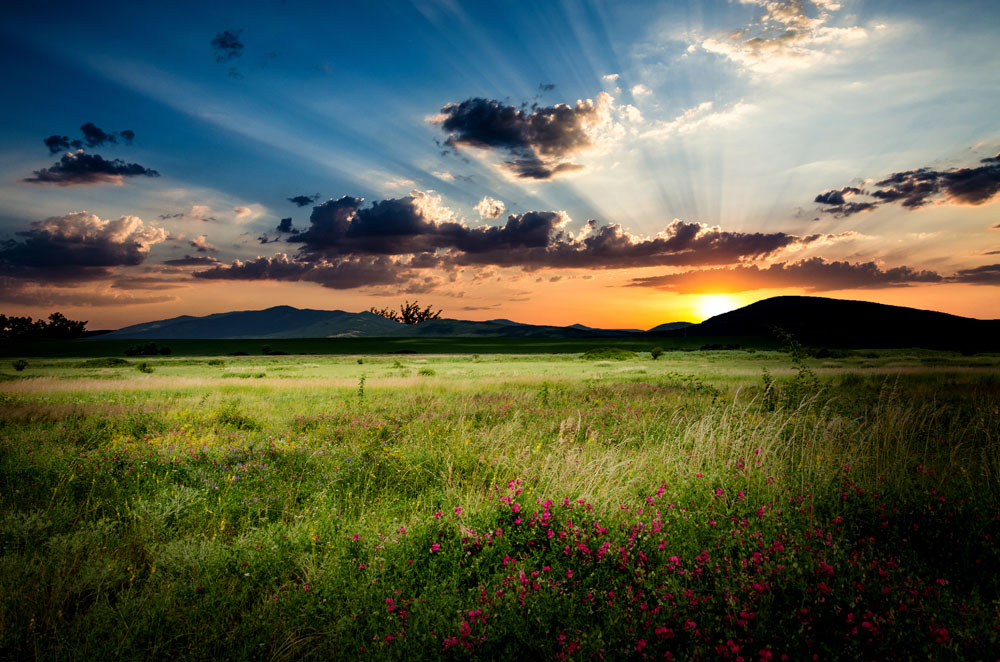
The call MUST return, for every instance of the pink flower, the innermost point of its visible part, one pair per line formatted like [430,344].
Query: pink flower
[435,547]
[305,588]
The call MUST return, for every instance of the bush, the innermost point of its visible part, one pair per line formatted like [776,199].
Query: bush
[145,367]
[216,362]
[20,365]
[608,353]
[146,349]
[426,372]
[656,352]
[165,351]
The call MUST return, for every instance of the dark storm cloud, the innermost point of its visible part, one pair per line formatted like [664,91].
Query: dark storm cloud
[80,168]
[536,139]
[814,274]
[913,189]
[546,87]
[92,135]
[988,274]
[304,200]
[533,240]
[338,274]
[227,45]
[77,246]
[285,226]
[189,261]
[128,135]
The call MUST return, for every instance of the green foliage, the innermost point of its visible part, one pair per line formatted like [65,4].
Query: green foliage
[608,354]
[656,353]
[19,364]
[216,362]
[144,367]
[426,372]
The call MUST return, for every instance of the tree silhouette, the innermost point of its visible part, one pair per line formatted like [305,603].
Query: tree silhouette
[24,328]
[409,313]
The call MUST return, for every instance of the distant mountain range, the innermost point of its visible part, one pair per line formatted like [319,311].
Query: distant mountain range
[815,321]
[289,322]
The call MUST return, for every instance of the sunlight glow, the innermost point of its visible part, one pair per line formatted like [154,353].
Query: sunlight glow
[711,305]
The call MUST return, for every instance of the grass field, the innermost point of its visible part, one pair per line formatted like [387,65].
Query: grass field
[725,504]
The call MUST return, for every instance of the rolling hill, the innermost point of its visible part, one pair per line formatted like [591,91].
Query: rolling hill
[820,321]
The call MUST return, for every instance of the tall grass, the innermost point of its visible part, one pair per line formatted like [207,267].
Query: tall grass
[282,521]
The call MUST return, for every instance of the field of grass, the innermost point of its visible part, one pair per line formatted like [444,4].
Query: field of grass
[724,504]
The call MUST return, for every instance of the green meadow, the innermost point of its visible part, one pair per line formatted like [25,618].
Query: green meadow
[740,504]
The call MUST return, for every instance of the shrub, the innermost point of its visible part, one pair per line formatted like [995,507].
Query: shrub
[608,353]
[216,362]
[426,372]
[145,367]
[20,365]
[656,352]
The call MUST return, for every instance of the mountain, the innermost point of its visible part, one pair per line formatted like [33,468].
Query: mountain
[289,322]
[820,321]
[670,326]
[596,330]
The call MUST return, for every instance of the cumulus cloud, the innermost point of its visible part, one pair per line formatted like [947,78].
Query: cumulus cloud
[304,200]
[787,35]
[285,226]
[913,189]
[92,135]
[490,207]
[77,246]
[814,274]
[200,244]
[78,168]
[537,141]
[420,223]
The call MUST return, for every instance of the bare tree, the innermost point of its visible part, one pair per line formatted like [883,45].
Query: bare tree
[409,313]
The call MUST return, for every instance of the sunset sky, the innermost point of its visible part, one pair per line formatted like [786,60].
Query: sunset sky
[617,164]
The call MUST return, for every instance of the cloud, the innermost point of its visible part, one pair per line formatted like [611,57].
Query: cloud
[490,207]
[227,45]
[913,189]
[13,291]
[640,90]
[77,246]
[78,168]
[814,274]
[285,225]
[537,140]
[419,223]
[304,200]
[189,261]
[242,212]
[699,117]
[58,144]
[988,274]
[339,274]
[200,244]
[546,87]
[789,35]
[94,137]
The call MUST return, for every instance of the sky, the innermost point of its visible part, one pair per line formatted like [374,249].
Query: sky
[615,164]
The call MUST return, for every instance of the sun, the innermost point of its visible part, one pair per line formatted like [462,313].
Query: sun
[710,305]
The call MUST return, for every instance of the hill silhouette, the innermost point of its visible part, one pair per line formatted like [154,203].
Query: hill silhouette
[820,321]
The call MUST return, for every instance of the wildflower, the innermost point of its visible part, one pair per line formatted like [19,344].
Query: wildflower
[435,547]
[305,588]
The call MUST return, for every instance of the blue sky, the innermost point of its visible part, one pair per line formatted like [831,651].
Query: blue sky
[699,137]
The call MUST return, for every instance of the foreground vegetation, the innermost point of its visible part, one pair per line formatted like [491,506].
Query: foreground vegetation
[695,506]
